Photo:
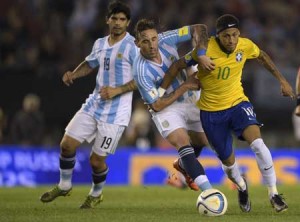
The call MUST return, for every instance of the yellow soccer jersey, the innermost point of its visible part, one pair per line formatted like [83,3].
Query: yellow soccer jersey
[222,88]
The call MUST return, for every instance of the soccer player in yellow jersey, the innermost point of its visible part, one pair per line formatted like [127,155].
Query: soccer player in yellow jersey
[225,108]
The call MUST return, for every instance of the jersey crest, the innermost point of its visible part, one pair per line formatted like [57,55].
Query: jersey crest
[239,56]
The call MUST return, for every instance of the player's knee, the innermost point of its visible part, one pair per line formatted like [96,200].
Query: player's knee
[67,147]
[257,145]
[97,162]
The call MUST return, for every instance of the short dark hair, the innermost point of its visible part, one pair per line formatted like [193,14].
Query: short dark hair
[142,25]
[118,7]
[226,21]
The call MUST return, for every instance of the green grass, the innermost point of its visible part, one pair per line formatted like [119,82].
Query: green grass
[137,204]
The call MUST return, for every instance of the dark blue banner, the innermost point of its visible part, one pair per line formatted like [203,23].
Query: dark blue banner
[30,166]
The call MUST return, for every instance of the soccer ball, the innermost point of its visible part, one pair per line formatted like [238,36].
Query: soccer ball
[212,202]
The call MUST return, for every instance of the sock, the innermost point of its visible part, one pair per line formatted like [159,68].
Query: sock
[66,167]
[99,180]
[234,175]
[272,191]
[264,162]
[197,150]
[203,182]
[192,166]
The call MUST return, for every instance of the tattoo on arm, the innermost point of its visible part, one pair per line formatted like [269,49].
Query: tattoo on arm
[130,86]
[267,62]
[200,36]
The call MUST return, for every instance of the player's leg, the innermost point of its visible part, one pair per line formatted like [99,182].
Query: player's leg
[106,142]
[188,164]
[172,125]
[265,164]
[99,173]
[81,127]
[217,128]
[198,141]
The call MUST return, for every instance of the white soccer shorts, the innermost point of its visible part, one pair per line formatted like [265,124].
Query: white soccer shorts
[178,115]
[84,127]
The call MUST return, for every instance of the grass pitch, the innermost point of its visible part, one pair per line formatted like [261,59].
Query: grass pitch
[140,204]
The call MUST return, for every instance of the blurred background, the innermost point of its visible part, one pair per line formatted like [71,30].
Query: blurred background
[41,39]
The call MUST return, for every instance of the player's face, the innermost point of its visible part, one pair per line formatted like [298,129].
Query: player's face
[117,23]
[148,43]
[229,38]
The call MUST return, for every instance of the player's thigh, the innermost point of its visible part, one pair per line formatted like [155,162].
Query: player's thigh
[107,138]
[218,132]
[244,122]
[82,127]
[179,138]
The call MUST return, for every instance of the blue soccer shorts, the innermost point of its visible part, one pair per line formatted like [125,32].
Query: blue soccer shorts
[219,125]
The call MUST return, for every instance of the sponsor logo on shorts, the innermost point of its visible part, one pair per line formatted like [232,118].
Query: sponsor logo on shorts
[165,124]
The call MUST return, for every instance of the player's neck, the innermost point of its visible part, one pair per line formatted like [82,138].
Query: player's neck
[113,38]
[157,59]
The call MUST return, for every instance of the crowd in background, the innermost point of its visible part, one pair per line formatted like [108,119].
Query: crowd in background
[44,38]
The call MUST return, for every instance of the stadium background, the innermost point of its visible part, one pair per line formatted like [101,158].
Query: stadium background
[40,40]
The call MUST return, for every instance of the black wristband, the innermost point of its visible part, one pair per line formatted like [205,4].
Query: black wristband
[298,100]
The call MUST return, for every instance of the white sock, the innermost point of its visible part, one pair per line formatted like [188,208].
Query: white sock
[272,191]
[65,182]
[234,174]
[96,189]
[265,163]
[203,182]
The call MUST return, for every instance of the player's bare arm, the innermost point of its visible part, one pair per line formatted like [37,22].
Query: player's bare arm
[172,72]
[200,40]
[83,69]
[190,84]
[266,61]
[108,92]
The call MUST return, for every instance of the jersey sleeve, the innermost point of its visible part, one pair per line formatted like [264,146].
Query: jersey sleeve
[146,85]
[176,36]
[252,50]
[91,58]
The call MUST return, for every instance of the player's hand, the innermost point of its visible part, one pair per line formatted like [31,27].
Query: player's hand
[297,111]
[206,63]
[287,90]
[68,78]
[192,83]
[107,92]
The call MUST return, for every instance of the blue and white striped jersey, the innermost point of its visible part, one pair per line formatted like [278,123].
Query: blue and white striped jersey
[148,75]
[115,69]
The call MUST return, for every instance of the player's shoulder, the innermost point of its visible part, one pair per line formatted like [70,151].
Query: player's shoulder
[129,39]
[140,61]
[245,41]
[100,42]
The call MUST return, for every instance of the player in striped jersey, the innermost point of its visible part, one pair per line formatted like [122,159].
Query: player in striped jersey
[106,112]
[225,108]
[175,115]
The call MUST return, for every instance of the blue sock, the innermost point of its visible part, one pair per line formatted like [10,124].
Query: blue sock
[190,164]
